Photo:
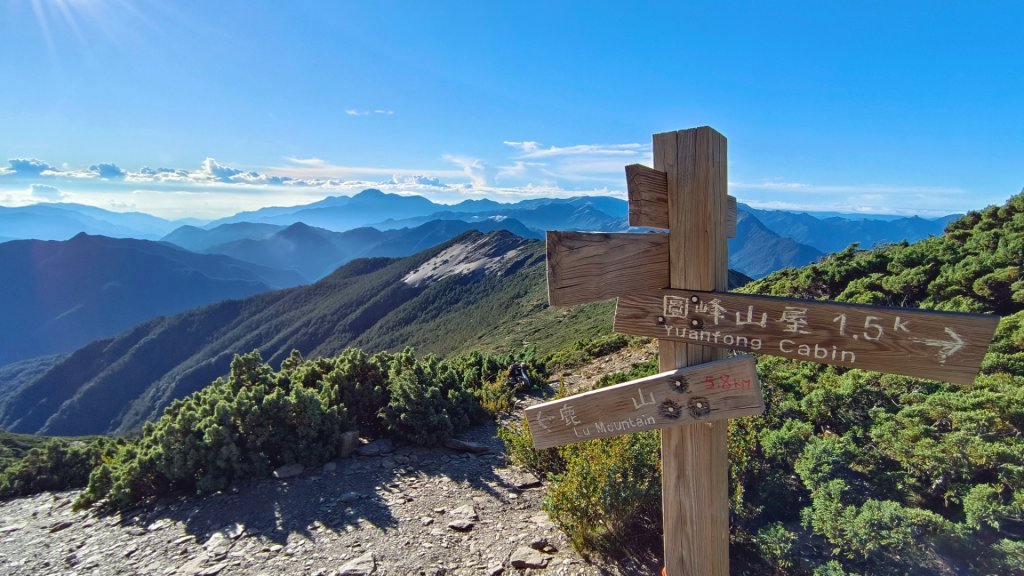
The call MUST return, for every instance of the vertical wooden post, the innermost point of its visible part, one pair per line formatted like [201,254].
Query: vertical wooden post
[695,458]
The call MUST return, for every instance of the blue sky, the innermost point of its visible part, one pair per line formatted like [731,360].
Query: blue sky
[204,109]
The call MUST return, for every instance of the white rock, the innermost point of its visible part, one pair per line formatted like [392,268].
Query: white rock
[361,566]
[526,557]
[466,511]
[288,471]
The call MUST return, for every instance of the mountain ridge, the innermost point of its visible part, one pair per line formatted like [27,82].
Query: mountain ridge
[56,295]
[116,384]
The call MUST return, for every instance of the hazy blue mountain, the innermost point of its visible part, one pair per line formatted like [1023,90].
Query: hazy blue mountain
[340,213]
[362,209]
[834,233]
[539,215]
[60,221]
[475,290]
[57,295]
[408,241]
[315,252]
[263,214]
[199,239]
[381,210]
[757,251]
[310,251]
[15,375]
[480,205]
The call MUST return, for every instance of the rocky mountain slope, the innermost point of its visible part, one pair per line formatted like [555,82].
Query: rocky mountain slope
[394,511]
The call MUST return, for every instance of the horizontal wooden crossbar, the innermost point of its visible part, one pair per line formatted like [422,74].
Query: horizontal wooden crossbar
[591,266]
[702,393]
[923,343]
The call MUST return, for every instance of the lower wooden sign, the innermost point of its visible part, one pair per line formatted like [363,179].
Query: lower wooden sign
[923,343]
[706,392]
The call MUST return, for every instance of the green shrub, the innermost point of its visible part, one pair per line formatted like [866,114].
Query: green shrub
[56,465]
[582,351]
[636,370]
[496,397]
[359,383]
[234,429]
[519,446]
[257,419]
[776,545]
[428,402]
[609,492]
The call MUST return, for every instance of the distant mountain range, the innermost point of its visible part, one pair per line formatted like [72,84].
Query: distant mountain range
[475,291]
[253,236]
[316,252]
[757,251]
[58,295]
[388,211]
[836,233]
[60,221]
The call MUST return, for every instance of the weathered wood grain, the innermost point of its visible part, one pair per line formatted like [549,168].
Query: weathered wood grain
[922,343]
[591,266]
[695,458]
[731,216]
[703,393]
[647,189]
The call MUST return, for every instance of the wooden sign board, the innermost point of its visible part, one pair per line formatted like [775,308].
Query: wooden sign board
[926,344]
[591,266]
[702,393]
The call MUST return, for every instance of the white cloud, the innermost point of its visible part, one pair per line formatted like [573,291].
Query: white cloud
[414,181]
[519,169]
[852,198]
[315,171]
[532,149]
[473,168]
[45,192]
[29,167]
[879,190]
[376,111]
[108,171]
[529,169]
[580,164]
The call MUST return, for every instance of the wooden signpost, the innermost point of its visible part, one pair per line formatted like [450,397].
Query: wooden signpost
[673,287]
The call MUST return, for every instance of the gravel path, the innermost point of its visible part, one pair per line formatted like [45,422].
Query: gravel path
[385,511]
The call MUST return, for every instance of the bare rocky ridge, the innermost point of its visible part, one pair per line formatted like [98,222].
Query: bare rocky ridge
[486,253]
[386,511]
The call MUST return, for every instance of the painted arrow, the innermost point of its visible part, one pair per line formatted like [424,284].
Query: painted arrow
[948,347]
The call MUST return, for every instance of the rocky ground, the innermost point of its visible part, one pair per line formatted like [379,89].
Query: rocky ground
[386,510]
